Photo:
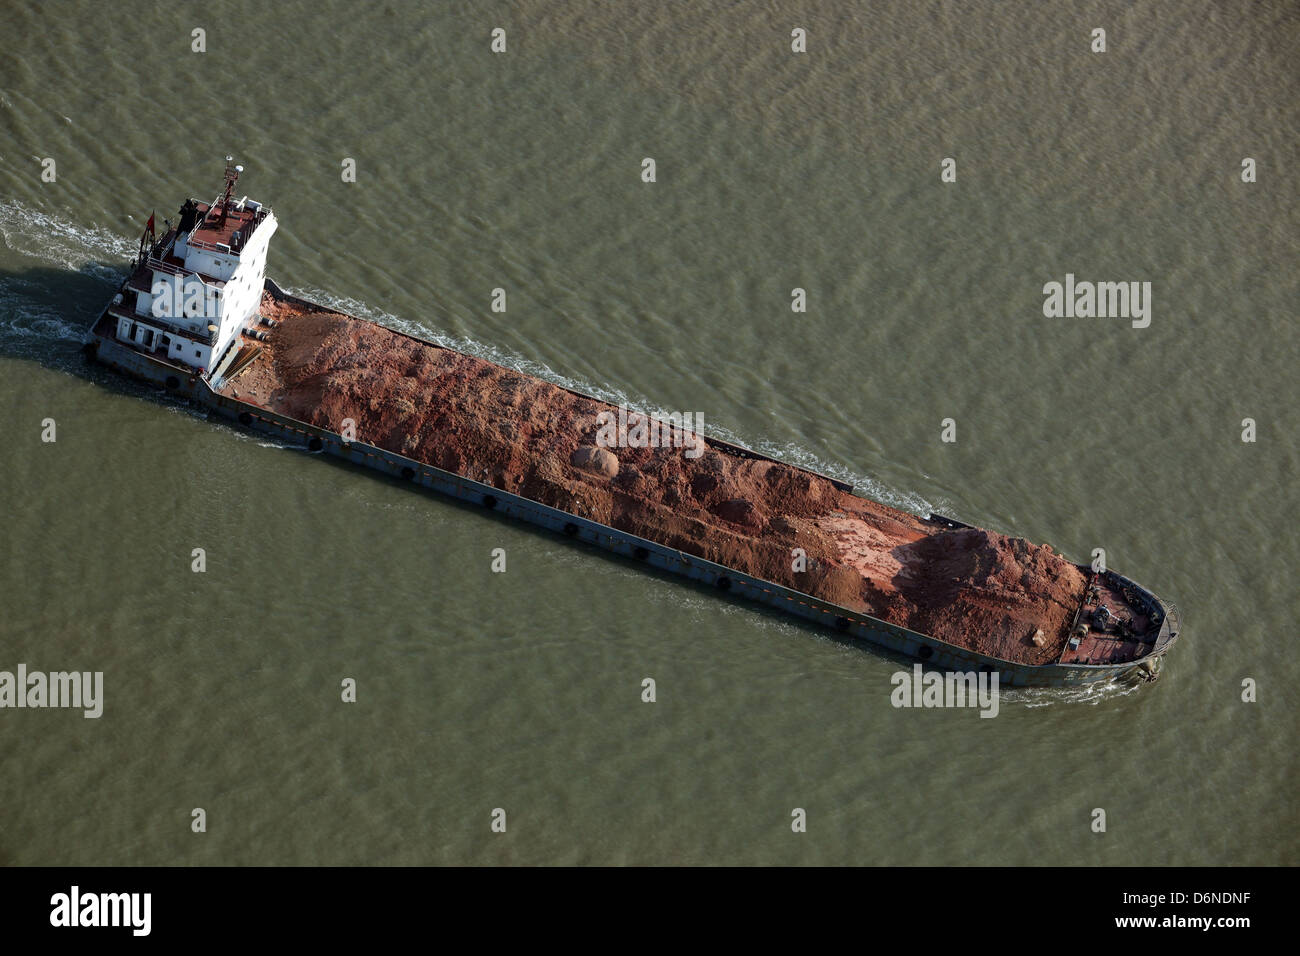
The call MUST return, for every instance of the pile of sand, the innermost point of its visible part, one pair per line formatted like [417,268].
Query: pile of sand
[973,588]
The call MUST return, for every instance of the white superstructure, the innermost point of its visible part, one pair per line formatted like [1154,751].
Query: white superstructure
[199,286]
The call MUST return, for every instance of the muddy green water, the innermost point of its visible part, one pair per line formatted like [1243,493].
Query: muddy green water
[523,171]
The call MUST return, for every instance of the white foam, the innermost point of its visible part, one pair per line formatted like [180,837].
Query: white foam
[29,327]
[1093,693]
[55,240]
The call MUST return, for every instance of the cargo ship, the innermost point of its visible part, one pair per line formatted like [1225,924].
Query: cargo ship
[198,317]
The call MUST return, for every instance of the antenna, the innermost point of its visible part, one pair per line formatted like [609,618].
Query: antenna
[232,176]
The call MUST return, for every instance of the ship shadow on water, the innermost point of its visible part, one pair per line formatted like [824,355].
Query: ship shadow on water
[45,313]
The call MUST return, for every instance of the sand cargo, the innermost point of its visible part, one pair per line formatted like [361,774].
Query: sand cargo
[198,317]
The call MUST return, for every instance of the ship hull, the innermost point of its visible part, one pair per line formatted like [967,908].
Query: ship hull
[848,623]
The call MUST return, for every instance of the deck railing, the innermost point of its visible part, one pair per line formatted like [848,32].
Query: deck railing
[1169,628]
[162,265]
[244,234]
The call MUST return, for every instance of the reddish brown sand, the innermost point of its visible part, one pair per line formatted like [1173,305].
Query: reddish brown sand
[974,588]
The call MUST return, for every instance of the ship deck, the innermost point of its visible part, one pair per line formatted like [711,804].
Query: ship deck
[1129,634]
[212,230]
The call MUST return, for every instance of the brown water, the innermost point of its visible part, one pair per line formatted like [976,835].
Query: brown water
[522,170]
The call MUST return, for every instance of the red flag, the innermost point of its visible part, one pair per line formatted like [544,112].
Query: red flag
[149,224]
